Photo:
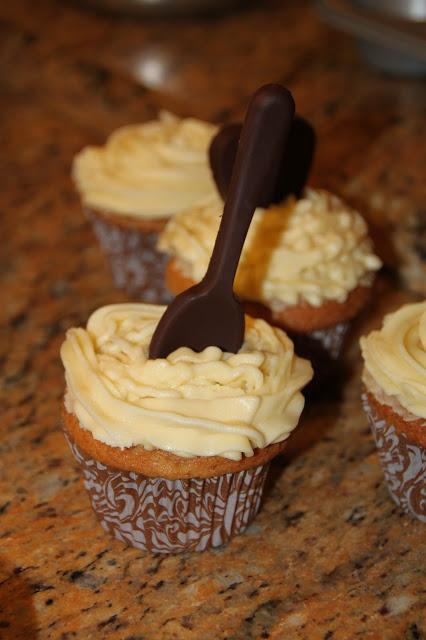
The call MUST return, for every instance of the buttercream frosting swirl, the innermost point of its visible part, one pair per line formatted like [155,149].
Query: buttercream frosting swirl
[395,357]
[149,170]
[191,404]
[313,249]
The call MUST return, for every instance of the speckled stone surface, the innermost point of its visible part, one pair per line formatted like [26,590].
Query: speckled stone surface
[329,556]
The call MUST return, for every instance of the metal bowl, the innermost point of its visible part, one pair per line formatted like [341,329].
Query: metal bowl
[387,41]
[406,9]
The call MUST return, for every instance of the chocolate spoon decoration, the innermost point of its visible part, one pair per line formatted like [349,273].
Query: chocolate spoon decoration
[292,169]
[209,313]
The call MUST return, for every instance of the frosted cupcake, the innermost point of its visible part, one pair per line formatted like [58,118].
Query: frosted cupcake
[175,451]
[395,402]
[131,187]
[307,266]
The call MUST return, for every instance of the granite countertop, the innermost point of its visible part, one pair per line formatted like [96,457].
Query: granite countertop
[329,556]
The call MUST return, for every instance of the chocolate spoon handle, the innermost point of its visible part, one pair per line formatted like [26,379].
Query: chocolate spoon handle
[209,314]
[265,129]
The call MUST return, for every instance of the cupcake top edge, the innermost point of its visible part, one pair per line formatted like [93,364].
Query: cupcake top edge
[395,358]
[149,170]
[313,249]
[211,403]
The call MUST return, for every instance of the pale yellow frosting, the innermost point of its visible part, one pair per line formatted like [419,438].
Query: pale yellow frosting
[395,357]
[150,170]
[313,249]
[192,404]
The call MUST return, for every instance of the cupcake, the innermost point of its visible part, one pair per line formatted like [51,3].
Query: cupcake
[175,451]
[394,399]
[307,266]
[134,184]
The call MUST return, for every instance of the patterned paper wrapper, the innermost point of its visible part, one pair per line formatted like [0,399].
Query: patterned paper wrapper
[136,265]
[323,348]
[171,516]
[325,343]
[403,463]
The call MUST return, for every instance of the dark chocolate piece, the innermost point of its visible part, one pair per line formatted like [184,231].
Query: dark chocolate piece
[222,153]
[224,148]
[209,313]
[292,169]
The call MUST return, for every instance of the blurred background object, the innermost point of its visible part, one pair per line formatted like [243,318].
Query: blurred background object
[409,9]
[165,8]
[391,34]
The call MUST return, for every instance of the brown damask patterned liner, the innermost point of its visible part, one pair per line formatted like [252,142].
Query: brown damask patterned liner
[403,463]
[171,516]
[323,348]
[323,343]
[136,265]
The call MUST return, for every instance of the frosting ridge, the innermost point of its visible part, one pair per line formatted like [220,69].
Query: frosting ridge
[192,404]
[395,357]
[312,249]
[148,170]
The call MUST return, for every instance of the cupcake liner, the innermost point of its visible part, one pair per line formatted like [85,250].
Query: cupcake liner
[136,265]
[403,463]
[331,340]
[171,516]
[322,347]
